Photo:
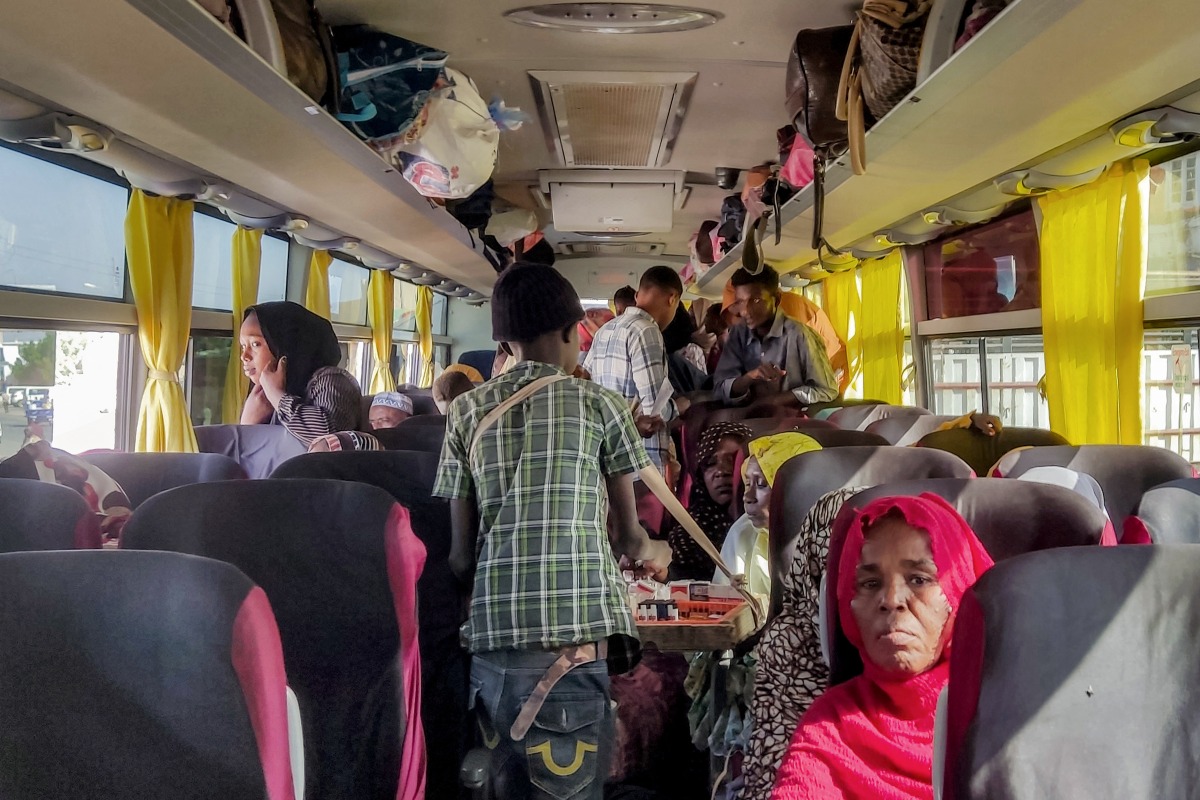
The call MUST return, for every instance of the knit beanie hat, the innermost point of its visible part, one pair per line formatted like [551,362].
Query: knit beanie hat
[530,300]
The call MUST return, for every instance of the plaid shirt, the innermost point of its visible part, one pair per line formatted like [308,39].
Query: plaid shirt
[628,356]
[546,576]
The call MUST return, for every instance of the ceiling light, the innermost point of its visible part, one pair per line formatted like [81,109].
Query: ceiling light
[612,17]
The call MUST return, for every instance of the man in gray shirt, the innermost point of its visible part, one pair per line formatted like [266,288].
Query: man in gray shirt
[768,353]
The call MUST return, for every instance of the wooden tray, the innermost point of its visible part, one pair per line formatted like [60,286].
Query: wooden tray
[693,635]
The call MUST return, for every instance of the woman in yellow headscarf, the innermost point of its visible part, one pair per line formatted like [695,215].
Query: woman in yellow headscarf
[746,546]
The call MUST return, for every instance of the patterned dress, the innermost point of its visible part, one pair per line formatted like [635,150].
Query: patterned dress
[792,673]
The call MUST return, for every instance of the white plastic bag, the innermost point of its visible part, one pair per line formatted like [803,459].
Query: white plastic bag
[509,226]
[456,151]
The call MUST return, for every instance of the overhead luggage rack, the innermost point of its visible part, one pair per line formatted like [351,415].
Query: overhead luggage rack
[192,91]
[1040,77]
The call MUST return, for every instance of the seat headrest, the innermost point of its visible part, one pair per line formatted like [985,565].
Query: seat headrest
[424,434]
[903,431]
[143,475]
[44,516]
[982,451]
[1099,641]
[803,480]
[1124,472]
[168,662]
[857,418]
[1171,512]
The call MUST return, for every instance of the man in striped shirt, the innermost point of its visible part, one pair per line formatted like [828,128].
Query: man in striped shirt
[530,510]
[628,356]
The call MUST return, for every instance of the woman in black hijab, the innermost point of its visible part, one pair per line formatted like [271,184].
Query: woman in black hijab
[291,356]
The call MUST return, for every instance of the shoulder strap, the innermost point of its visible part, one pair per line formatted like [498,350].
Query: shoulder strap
[655,483]
[493,416]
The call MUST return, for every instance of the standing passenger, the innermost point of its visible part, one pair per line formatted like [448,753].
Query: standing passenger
[530,499]
[769,354]
[629,356]
[291,356]
[624,298]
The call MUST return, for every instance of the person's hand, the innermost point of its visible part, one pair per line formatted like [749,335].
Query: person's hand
[319,445]
[581,373]
[648,426]
[258,408]
[987,424]
[656,558]
[682,404]
[272,380]
[706,340]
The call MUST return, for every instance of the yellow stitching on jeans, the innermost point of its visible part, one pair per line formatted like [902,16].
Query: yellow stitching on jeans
[581,750]
[490,738]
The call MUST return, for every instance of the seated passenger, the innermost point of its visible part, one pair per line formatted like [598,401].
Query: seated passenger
[745,550]
[768,354]
[448,386]
[905,565]
[344,440]
[291,355]
[38,461]
[711,500]
[792,672]
[389,409]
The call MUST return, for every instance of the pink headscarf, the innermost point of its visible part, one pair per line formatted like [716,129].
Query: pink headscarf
[872,736]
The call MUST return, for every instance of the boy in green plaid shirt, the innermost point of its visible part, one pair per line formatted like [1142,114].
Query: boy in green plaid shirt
[534,542]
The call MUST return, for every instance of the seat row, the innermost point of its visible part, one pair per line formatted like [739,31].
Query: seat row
[339,564]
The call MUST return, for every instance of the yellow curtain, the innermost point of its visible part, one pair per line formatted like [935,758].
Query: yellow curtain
[247,259]
[844,307]
[425,334]
[882,335]
[1093,253]
[316,294]
[158,248]
[380,301]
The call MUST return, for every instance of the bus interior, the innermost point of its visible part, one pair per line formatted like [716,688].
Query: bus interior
[1015,237]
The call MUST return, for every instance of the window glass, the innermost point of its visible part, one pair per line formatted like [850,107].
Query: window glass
[348,292]
[60,231]
[272,277]
[206,371]
[212,279]
[1015,366]
[404,314]
[354,360]
[991,268]
[1173,246]
[406,363]
[1170,370]
[439,314]
[955,376]
[64,381]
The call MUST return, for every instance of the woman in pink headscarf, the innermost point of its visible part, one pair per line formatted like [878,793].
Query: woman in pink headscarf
[899,577]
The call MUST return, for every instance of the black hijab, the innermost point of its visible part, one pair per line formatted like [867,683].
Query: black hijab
[305,338]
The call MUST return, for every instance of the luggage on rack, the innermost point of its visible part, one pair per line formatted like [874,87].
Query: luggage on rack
[385,82]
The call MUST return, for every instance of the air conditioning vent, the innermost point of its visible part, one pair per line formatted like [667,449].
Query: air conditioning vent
[612,248]
[612,119]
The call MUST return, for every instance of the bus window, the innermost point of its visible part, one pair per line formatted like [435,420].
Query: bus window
[991,268]
[1173,247]
[60,231]
[63,381]
[206,373]
[212,280]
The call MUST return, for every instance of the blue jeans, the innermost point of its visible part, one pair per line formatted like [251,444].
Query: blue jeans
[566,753]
